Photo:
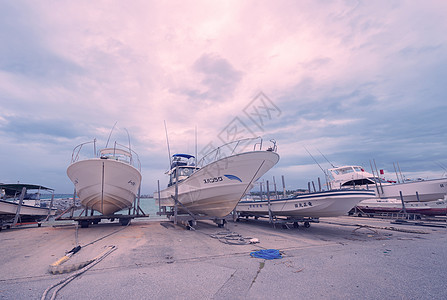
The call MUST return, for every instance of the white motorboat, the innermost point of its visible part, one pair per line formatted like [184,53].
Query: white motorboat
[214,187]
[357,177]
[25,207]
[428,208]
[108,182]
[331,203]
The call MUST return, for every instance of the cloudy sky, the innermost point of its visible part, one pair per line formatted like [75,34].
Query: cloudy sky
[354,80]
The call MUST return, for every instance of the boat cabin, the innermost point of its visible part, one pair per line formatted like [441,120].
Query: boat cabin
[350,176]
[182,166]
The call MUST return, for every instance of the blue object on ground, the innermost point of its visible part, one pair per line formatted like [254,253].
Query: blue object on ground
[266,254]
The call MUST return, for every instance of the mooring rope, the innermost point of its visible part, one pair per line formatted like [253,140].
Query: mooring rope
[233,238]
[66,280]
[58,268]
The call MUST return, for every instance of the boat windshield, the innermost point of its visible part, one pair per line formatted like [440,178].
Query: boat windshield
[183,173]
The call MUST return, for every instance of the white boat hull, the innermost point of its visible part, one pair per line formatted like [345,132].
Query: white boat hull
[8,209]
[105,185]
[429,208]
[427,190]
[215,189]
[357,177]
[313,205]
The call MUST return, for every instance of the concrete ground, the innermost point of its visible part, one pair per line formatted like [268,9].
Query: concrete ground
[334,259]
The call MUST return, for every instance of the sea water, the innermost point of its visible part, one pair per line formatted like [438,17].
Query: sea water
[148,205]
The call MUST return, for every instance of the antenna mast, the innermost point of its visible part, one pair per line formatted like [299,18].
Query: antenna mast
[316,161]
[110,134]
[196,144]
[326,159]
[167,142]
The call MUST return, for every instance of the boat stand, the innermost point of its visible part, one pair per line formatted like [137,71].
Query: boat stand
[188,219]
[85,218]
[285,222]
[16,220]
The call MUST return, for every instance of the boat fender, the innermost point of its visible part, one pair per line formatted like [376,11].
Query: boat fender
[75,250]
[64,258]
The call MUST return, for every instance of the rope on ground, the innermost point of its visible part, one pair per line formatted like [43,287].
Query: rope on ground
[233,238]
[266,254]
[66,280]
[107,235]
[58,268]
[379,227]
[394,229]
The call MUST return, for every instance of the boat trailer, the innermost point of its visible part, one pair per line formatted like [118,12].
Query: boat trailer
[87,216]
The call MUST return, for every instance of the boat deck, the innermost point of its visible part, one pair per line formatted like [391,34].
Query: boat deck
[339,258]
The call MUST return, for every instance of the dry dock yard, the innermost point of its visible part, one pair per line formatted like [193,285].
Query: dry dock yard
[338,258]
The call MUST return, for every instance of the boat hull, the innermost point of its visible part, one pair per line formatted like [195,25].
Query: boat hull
[427,190]
[215,189]
[8,210]
[313,205]
[105,185]
[428,208]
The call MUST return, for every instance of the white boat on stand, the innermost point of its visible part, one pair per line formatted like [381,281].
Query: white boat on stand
[357,177]
[310,206]
[19,206]
[108,182]
[213,187]
[390,205]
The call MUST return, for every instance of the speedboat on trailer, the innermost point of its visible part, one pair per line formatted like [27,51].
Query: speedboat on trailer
[108,182]
[357,177]
[214,185]
[331,203]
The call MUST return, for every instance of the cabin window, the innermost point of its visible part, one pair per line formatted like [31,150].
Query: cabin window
[185,171]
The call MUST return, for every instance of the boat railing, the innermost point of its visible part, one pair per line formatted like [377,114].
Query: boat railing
[234,147]
[118,151]
[122,153]
[76,155]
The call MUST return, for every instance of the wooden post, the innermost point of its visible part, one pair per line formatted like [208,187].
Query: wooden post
[22,195]
[274,185]
[51,204]
[158,187]
[283,187]
[73,206]
[268,201]
[403,203]
[176,196]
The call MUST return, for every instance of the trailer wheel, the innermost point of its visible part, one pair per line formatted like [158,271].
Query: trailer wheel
[295,225]
[124,221]
[306,224]
[84,223]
